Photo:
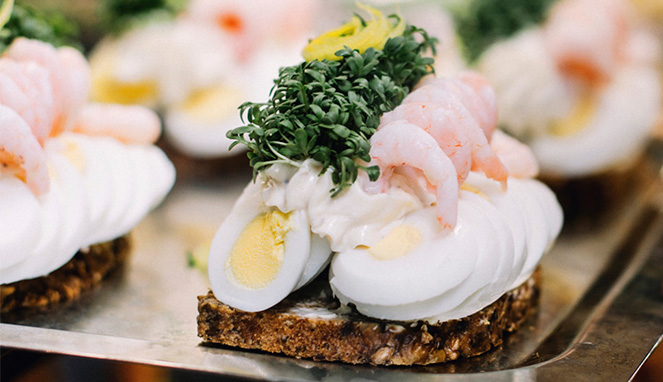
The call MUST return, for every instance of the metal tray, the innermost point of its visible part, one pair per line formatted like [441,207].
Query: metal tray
[600,317]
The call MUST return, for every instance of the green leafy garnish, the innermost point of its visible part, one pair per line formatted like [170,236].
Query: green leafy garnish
[118,16]
[328,110]
[480,23]
[197,257]
[32,23]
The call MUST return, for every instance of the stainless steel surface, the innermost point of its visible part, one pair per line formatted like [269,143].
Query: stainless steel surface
[601,310]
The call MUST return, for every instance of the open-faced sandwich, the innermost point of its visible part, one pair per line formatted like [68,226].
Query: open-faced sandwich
[198,67]
[75,177]
[576,80]
[428,218]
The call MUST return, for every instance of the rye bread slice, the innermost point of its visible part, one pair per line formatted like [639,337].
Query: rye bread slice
[83,272]
[311,324]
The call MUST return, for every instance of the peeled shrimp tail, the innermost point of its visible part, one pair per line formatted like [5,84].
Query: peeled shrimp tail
[24,50]
[435,121]
[21,153]
[488,97]
[25,88]
[473,103]
[68,74]
[130,124]
[400,143]
[77,74]
[517,157]
[454,109]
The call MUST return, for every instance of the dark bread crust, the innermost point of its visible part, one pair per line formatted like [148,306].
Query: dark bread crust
[83,272]
[353,338]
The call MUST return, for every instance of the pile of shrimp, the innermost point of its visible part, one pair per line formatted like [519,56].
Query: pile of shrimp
[44,93]
[441,132]
[588,39]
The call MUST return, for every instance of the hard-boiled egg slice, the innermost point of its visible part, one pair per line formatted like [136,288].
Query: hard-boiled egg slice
[107,88]
[20,219]
[420,271]
[440,275]
[261,254]
[198,126]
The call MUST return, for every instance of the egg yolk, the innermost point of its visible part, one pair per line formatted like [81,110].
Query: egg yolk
[474,189]
[208,105]
[73,153]
[397,243]
[258,253]
[576,121]
[105,88]
[111,91]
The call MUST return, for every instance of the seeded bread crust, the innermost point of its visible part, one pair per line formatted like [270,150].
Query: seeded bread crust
[311,324]
[83,272]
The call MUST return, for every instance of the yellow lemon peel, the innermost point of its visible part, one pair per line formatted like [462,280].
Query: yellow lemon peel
[356,34]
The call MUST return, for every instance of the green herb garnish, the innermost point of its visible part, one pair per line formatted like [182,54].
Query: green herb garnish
[32,23]
[328,110]
[480,23]
[120,15]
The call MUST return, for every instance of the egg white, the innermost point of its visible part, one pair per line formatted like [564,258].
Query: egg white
[74,218]
[204,136]
[201,139]
[435,277]
[99,189]
[20,216]
[498,240]
[305,255]
[627,108]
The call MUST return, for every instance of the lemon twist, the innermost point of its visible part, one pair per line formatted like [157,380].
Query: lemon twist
[356,34]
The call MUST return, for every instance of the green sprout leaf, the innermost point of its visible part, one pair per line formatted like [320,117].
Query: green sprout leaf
[328,110]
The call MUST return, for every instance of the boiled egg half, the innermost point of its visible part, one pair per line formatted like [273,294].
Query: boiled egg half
[260,254]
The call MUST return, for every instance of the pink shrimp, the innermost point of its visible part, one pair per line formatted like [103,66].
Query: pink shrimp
[435,120]
[476,94]
[443,115]
[587,38]
[400,143]
[487,115]
[20,153]
[25,89]
[68,74]
[76,72]
[24,50]
[130,124]
[517,157]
